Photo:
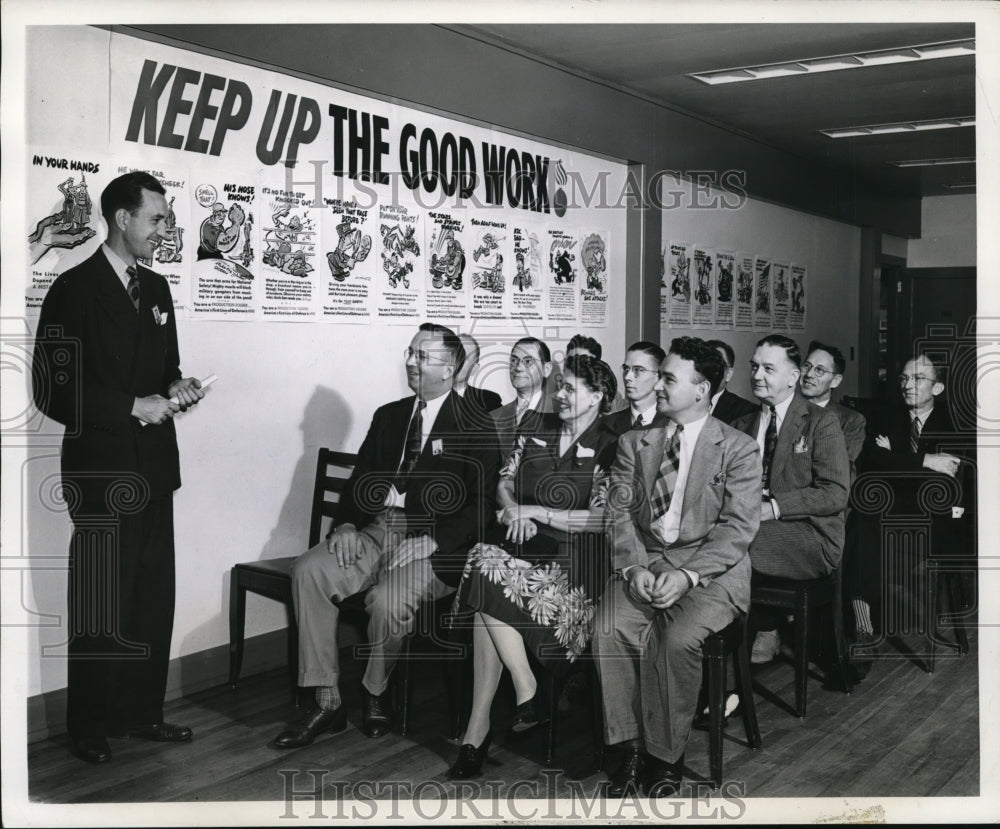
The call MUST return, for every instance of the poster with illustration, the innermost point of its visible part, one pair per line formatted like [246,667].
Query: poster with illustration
[491,253]
[63,216]
[563,268]
[762,293]
[289,238]
[224,283]
[348,261]
[797,301]
[594,293]
[448,260]
[664,292]
[725,284]
[743,312]
[703,307]
[679,264]
[400,266]
[527,277]
[780,293]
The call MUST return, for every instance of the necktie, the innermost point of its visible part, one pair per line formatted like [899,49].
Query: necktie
[412,449]
[770,441]
[519,410]
[666,479]
[915,435]
[133,285]
[637,421]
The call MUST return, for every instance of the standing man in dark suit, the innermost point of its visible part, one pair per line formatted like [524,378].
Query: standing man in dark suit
[483,400]
[119,468]
[806,478]
[530,367]
[414,505]
[640,371]
[727,406]
[683,507]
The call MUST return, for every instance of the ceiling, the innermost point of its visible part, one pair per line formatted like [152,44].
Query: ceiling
[653,61]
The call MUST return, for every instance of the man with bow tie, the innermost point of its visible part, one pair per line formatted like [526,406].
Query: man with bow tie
[683,506]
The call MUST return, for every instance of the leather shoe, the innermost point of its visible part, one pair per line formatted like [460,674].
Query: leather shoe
[627,778]
[470,760]
[527,715]
[313,723]
[162,732]
[664,778]
[92,749]
[732,707]
[378,714]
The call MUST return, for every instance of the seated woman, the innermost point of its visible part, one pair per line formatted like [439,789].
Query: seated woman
[534,587]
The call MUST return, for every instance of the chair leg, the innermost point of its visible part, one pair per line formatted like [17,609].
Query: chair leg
[741,669]
[932,574]
[237,626]
[598,718]
[716,721]
[801,653]
[403,668]
[553,695]
[957,594]
[840,645]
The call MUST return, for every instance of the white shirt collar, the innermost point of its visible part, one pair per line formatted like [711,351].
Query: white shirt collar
[647,414]
[118,265]
[534,402]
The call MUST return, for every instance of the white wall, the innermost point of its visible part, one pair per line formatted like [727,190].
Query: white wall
[248,452]
[830,250]
[947,233]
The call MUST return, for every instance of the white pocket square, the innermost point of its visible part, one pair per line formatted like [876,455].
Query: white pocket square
[539,442]
[584,452]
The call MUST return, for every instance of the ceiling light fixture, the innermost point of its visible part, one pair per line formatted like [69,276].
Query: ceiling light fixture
[902,126]
[833,63]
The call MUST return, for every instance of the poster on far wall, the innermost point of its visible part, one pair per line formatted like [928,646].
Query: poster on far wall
[762,293]
[527,277]
[679,264]
[725,263]
[448,260]
[400,276]
[289,245]
[348,259]
[491,245]
[63,222]
[664,292]
[743,312]
[225,275]
[797,309]
[779,319]
[703,314]
[563,269]
[594,293]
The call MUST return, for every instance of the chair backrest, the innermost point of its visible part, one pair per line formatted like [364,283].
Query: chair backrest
[332,471]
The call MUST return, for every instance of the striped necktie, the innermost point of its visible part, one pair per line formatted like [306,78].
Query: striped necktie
[133,286]
[411,452]
[915,435]
[666,479]
[770,442]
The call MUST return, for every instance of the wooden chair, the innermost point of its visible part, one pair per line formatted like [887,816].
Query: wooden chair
[801,598]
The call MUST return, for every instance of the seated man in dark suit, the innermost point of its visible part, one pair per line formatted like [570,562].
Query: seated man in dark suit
[412,508]
[915,449]
[530,366]
[806,479]
[727,406]
[484,400]
[640,371]
[683,506]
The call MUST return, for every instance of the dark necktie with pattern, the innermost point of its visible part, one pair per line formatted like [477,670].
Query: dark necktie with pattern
[666,480]
[133,285]
[770,442]
[915,435]
[637,421]
[412,449]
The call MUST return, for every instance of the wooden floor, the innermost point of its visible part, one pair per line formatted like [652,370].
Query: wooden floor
[902,732]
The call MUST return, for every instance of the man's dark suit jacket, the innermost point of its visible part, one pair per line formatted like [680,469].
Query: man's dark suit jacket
[507,427]
[621,422]
[732,407]
[852,424]
[94,355]
[483,399]
[452,488]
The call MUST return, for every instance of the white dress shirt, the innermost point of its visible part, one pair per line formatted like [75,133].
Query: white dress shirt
[431,410]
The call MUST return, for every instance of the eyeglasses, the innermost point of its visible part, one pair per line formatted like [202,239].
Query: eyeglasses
[904,379]
[527,362]
[817,371]
[635,371]
[423,356]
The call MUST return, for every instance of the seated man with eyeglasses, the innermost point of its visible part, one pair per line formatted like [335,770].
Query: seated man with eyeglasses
[640,372]
[409,514]
[530,366]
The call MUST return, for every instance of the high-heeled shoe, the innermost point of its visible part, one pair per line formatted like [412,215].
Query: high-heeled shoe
[470,759]
[527,715]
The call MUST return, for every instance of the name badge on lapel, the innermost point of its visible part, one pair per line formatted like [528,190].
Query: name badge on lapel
[160,317]
[437,446]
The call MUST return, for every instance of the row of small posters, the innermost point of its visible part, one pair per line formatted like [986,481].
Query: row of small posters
[701,288]
[237,249]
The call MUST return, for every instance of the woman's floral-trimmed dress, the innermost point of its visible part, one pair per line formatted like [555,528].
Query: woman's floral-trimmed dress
[547,587]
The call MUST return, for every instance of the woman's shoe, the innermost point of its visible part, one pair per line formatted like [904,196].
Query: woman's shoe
[470,760]
[527,715]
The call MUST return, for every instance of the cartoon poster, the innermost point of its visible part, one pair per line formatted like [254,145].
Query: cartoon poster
[448,259]
[224,282]
[797,309]
[289,245]
[703,309]
[664,293]
[679,262]
[725,263]
[491,244]
[64,216]
[594,294]
[743,313]
[762,293]
[779,319]
[564,266]
[400,269]
[527,283]
[347,263]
